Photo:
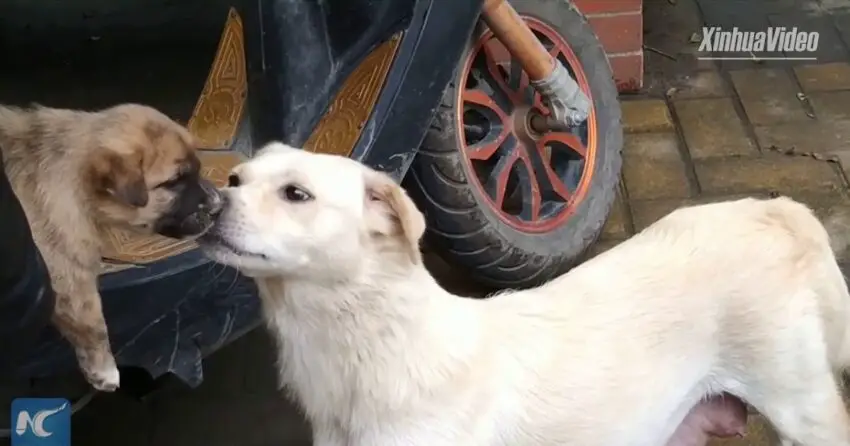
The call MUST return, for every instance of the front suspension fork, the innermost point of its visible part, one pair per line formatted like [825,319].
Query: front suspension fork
[568,104]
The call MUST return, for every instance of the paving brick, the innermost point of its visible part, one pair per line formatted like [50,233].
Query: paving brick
[712,128]
[844,162]
[822,203]
[842,22]
[660,146]
[824,77]
[650,178]
[649,115]
[820,136]
[616,225]
[771,173]
[830,48]
[744,15]
[835,6]
[600,247]
[702,84]
[621,33]
[769,96]
[831,105]
[647,212]
[782,5]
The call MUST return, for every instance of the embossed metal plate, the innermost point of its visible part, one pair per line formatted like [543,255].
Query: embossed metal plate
[340,127]
[219,109]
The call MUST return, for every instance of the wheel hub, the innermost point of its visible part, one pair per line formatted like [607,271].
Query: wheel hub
[531,171]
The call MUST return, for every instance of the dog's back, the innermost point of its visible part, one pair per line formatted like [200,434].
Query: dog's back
[743,297]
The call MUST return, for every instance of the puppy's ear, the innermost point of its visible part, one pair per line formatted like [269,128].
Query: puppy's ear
[390,212]
[120,176]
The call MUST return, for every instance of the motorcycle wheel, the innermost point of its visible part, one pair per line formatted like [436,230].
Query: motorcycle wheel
[509,206]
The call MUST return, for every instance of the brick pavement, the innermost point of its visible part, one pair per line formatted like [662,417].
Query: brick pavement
[700,131]
[721,141]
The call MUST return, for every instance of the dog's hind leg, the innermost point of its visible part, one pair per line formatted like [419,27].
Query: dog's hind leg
[79,318]
[797,392]
[817,419]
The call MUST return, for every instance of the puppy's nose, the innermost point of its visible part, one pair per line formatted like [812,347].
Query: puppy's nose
[214,198]
[220,204]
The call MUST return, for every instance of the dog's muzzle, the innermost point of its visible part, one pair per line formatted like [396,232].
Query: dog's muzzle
[194,213]
[214,201]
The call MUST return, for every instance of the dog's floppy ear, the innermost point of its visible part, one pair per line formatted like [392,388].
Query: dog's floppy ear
[120,176]
[390,212]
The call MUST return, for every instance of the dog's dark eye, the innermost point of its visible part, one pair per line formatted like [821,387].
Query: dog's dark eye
[233,180]
[171,182]
[295,194]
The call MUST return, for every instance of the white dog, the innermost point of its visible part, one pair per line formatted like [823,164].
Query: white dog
[741,297]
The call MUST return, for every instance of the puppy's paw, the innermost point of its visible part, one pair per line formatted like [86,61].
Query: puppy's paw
[105,378]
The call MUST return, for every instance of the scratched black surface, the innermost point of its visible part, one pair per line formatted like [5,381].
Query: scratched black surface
[164,318]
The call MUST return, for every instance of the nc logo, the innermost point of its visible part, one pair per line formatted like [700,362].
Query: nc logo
[41,422]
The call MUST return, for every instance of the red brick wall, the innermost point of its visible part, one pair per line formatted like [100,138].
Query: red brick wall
[619,26]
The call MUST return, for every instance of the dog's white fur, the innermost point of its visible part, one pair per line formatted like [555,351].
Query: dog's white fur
[744,297]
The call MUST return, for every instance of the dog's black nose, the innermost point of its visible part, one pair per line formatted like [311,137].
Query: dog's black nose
[212,200]
[221,202]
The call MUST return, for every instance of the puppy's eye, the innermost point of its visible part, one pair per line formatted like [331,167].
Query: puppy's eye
[295,194]
[233,180]
[171,182]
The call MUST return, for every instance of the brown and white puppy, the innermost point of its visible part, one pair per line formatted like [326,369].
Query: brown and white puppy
[75,172]
[743,298]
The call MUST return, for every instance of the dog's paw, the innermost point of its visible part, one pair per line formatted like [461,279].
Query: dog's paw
[105,379]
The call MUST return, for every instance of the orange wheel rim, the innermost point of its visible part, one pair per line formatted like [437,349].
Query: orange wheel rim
[533,182]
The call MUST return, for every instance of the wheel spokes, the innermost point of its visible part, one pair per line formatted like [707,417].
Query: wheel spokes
[570,140]
[497,182]
[549,181]
[532,198]
[492,141]
[498,185]
[529,178]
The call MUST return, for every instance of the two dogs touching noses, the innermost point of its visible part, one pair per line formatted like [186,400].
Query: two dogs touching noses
[658,341]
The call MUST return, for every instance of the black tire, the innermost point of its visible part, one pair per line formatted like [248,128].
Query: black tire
[465,230]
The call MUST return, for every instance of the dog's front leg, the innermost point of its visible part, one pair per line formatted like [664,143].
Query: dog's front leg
[79,318]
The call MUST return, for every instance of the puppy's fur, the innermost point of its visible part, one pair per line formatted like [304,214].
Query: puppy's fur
[743,297]
[75,172]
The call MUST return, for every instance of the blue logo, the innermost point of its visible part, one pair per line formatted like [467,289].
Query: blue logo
[41,422]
